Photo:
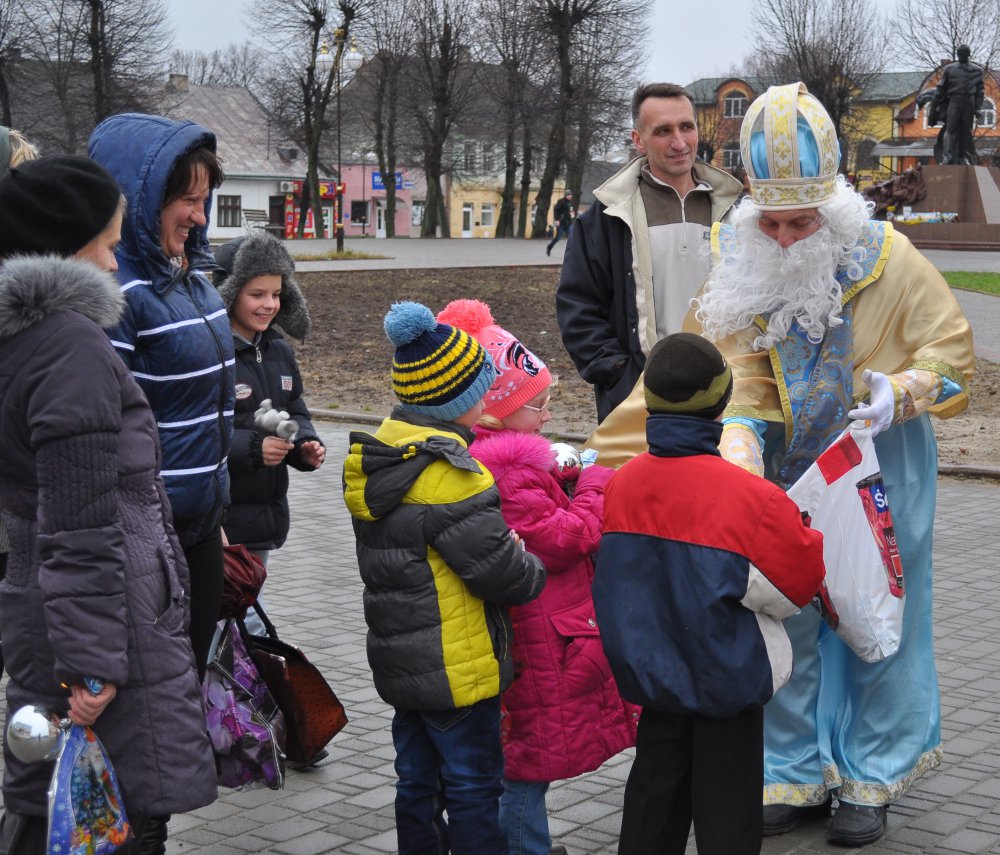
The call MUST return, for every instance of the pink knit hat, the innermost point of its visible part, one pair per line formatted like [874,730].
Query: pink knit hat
[520,374]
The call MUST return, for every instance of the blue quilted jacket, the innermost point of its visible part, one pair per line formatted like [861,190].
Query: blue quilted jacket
[174,335]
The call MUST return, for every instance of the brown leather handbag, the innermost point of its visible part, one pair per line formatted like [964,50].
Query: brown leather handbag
[313,713]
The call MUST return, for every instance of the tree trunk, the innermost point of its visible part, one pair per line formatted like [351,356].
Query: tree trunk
[4,94]
[505,219]
[522,214]
[556,148]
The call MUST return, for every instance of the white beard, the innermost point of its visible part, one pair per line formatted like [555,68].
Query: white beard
[791,285]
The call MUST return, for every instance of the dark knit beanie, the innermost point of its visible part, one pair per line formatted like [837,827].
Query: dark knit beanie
[437,369]
[262,254]
[685,373]
[55,204]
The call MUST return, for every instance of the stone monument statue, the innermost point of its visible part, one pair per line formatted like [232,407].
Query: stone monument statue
[958,97]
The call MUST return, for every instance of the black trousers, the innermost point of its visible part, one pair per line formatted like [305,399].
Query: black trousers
[202,547]
[692,767]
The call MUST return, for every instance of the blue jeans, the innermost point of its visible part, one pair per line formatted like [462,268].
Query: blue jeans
[449,761]
[522,815]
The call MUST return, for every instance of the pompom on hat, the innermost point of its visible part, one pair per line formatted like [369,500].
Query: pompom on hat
[790,150]
[55,204]
[686,374]
[520,374]
[437,370]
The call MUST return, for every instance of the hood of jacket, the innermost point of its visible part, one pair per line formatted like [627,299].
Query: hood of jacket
[260,254]
[618,192]
[380,470]
[500,451]
[34,287]
[140,152]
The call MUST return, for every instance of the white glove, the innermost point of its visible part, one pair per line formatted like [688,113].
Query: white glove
[881,406]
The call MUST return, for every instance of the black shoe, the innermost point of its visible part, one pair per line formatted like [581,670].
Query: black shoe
[857,825]
[154,836]
[780,819]
[558,849]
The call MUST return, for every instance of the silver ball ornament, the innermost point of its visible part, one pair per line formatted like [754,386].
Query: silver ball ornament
[567,457]
[33,734]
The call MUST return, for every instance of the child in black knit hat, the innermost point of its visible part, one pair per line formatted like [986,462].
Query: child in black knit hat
[699,562]
[257,283]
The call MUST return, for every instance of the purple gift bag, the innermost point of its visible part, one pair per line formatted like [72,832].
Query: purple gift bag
[245,724]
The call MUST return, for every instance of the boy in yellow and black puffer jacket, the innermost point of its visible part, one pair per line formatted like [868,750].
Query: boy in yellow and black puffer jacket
[439,566]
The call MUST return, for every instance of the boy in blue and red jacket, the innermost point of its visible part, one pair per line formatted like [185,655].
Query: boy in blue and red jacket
[699,563]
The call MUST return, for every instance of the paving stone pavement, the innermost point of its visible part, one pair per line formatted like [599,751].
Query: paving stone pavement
[345,804]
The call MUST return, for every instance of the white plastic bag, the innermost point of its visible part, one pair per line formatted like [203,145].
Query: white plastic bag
[844,495]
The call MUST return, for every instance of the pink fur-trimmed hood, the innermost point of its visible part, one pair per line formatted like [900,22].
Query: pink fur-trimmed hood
[503,450]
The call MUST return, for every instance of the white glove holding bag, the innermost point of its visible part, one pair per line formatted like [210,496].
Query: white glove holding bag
[881,406]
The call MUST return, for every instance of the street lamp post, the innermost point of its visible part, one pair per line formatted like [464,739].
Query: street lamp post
[334,64]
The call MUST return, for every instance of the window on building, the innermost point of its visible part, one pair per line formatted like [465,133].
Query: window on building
[417,213]
[230,210]
[486,215]
[469,156]
[489,158]
[359,212]
[731,156]
[734,105]
[988,117]
[863,158]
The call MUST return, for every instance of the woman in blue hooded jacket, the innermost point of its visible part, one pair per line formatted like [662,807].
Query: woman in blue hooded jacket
[174,336]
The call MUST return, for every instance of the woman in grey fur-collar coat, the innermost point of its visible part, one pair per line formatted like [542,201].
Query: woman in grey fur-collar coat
[96,583]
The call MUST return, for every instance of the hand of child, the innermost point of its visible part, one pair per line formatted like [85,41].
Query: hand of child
[85,706]
[312,453]
[274,450]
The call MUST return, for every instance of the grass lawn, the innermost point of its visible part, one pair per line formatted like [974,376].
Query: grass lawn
[333,255]
[987,283]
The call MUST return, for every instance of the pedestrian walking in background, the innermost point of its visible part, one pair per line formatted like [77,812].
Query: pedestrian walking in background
[440,568]
[563,716]
[563,215]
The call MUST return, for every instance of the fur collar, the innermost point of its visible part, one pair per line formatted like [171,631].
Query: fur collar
[506,450]
[34,287]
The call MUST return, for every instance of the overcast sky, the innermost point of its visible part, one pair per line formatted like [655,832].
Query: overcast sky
[686,41]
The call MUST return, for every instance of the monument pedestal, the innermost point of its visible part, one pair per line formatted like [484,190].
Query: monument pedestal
[972,192]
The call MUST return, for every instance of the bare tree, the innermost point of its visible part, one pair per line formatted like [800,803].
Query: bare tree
[835,47]
[234,65]
[128,41]
[54,106]
[298,30]
[388,31]
[928,33]
[443,30]
[12,28]
[607,62]
[564,21]
[511,40]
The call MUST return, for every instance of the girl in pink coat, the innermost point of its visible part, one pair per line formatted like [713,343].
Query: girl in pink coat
[563,715]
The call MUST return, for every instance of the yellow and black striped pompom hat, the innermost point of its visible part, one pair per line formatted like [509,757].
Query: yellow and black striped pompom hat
[685,373]
[437,370]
